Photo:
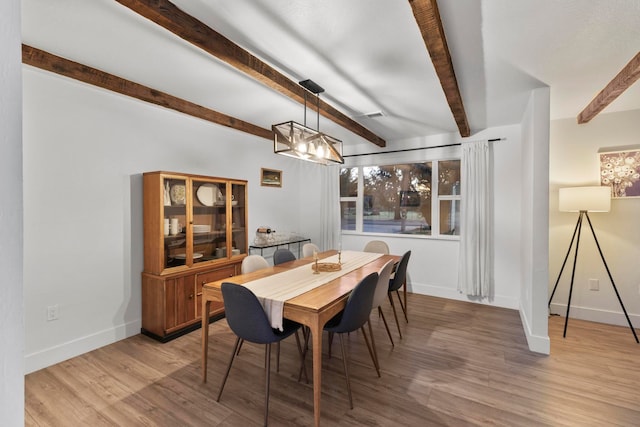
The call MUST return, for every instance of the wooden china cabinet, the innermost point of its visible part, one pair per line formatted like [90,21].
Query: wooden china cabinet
[194,233]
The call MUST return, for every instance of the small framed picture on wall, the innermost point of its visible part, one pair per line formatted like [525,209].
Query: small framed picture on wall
[270,178]
[620,170]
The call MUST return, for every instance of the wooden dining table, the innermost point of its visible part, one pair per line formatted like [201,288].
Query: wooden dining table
[313,308]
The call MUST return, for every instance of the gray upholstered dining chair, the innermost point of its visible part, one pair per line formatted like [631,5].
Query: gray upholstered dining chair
[377,246]
[308,249]
[250,264]
[353,317]
[396,283]
[253,263]
[380,294]
[248,320]
[282,255]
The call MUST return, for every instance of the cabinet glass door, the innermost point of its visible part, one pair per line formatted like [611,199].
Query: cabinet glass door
[209,220]
[238,219]
[174,220]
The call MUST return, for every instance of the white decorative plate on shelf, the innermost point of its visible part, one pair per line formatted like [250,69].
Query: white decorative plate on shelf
[207,194]
[184,256]
[178,194]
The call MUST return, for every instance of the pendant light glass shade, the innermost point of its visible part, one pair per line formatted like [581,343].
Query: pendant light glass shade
[301,142]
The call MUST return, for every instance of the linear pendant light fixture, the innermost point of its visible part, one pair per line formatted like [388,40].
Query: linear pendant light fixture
[299,141]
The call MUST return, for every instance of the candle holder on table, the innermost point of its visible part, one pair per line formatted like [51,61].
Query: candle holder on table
[325,266]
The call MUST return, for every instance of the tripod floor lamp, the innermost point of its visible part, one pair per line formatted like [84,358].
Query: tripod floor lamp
[585,200]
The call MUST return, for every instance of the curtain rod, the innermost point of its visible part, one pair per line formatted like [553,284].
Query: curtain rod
[419,148]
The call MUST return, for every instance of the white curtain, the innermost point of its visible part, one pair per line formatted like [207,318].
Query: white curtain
[330,207]
[475,275]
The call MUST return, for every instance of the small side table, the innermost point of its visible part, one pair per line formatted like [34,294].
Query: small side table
[292,241]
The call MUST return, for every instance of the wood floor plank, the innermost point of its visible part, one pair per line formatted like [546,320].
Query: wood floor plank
[58,404]
[458,364]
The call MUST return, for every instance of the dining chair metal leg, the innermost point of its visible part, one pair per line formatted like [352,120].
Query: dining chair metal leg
[373,344]
[404,294]
[306,331]
[395,314]
[386,326]
[239,347]
[330,343]
[345,362]
[374,357]
[305,349]
[278,356]
[404,309]
[267,362]
[226,375]
[303,368]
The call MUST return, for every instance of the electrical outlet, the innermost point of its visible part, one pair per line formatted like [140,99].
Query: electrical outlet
[52,312]
[594,284]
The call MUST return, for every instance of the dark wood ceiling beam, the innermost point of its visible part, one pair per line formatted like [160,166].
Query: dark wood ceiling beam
[625,78]
[185,26]
[428,19]
[56,64]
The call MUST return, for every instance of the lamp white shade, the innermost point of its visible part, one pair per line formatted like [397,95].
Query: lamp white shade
[591,199]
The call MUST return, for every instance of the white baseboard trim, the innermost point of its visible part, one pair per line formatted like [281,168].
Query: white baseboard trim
[537,343]
[61,352]
[442,292]
[595,315]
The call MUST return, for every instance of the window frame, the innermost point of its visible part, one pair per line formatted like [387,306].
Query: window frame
[449,197]
[436,198]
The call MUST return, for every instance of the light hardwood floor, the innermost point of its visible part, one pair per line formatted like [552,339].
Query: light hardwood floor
[459,364]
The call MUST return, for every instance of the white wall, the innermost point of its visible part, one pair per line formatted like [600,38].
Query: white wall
[84,152]
[433,268]
[574,162]
[533,235]
[309,181]
[11,243]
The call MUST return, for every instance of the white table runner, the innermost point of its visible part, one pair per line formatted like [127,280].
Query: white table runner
[273,291]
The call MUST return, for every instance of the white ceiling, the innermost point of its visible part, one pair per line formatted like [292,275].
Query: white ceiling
[367,54]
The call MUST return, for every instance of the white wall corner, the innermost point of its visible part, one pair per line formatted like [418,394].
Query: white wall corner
[11,213]
[537,343]
[535,220]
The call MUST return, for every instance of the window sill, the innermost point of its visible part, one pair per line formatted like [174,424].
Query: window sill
[402,236]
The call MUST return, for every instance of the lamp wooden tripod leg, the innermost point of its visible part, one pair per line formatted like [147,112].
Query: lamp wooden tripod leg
[577,230]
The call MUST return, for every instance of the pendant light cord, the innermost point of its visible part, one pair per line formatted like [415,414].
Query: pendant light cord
[305,108]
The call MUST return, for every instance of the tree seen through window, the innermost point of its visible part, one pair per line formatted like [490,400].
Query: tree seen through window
[397,199]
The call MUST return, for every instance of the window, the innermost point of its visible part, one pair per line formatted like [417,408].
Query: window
[348,197]
[402,198]
[449,196]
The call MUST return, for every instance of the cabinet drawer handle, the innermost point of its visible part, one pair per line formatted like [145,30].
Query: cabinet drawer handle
[191,296]
[199,294]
